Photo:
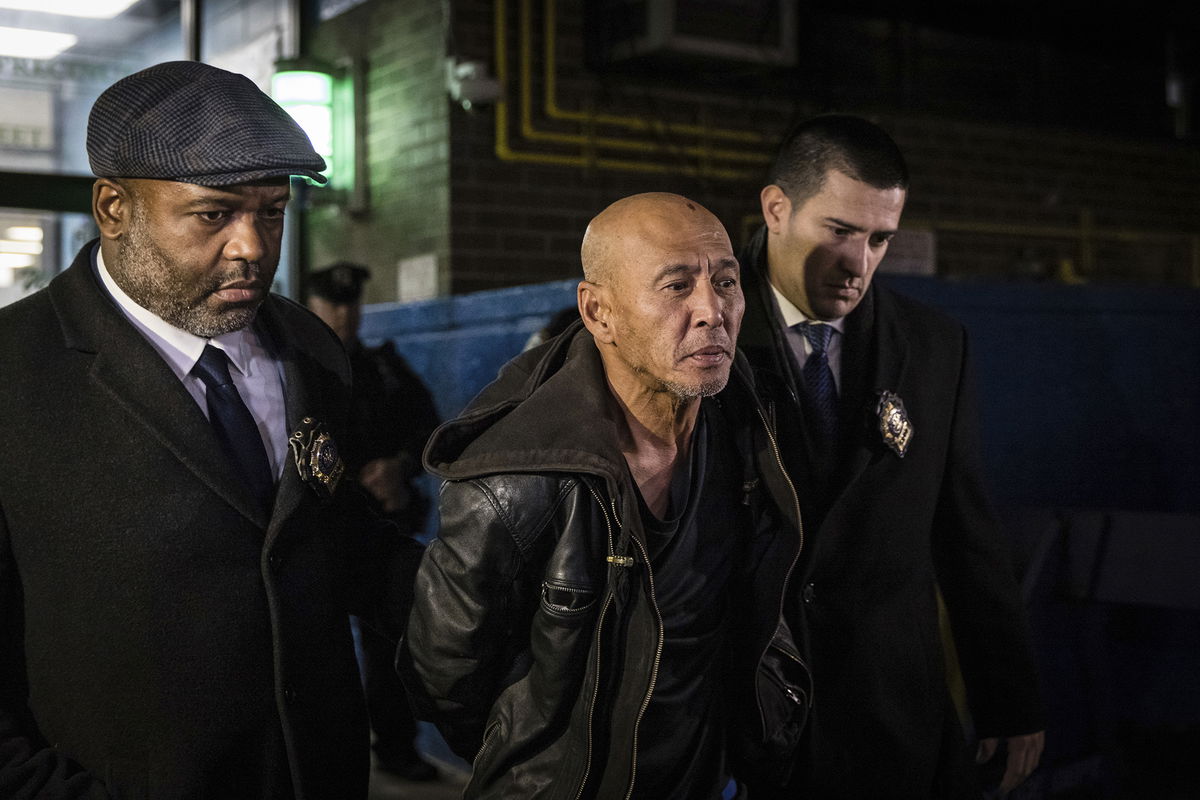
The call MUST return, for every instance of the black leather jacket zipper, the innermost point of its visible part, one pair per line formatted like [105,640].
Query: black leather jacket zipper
[800,530]
[608,526]
[653,671]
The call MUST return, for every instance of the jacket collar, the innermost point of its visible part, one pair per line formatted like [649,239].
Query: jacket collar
[550,410]
[761,337]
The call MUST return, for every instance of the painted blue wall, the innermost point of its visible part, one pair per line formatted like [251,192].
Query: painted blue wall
[1090,396]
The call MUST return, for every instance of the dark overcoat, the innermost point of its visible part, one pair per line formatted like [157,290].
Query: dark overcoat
[161,636]
[883,532]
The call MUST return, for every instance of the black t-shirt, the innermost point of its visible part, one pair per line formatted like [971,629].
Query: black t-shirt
[693,553]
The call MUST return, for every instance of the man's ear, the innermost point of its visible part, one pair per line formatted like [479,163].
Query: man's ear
[776,208]
[596,311]
[112,207]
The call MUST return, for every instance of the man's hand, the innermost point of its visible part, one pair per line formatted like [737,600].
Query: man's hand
[1024,753]
[384,479]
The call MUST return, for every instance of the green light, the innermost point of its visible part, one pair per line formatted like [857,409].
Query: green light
[302,86]
[308,96]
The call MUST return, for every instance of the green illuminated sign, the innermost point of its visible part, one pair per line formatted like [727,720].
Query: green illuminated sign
[326,115]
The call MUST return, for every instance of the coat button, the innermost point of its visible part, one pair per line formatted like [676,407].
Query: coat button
[289,694]
[809,592]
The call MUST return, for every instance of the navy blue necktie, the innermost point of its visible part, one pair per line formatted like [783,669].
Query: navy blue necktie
[234,425]
[818,378]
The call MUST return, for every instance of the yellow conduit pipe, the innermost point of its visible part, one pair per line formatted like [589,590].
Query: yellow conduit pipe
[530,132]
[505,152]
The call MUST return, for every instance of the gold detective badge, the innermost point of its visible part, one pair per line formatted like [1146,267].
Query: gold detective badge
[317,458]
[894,424]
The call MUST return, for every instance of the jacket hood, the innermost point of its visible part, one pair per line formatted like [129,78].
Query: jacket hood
[549,410]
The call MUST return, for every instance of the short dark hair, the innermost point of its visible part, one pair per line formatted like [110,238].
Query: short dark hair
[851,145]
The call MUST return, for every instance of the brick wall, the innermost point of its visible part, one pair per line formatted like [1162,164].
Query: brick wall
[516,222]
[407,144]
[1004,199]
[1033,178]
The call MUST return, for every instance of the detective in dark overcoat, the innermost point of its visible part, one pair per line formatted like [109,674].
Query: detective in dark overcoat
[875,403]
[168,629]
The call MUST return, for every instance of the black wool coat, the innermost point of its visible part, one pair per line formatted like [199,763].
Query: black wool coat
[161,636]
[884,533]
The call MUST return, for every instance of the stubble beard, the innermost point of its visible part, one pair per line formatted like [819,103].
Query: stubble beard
[710,384]
[153,281]
[706,388]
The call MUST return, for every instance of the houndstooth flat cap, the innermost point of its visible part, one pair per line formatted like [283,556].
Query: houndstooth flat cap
[192,122]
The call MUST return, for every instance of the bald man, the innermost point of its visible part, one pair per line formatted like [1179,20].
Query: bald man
[600,614]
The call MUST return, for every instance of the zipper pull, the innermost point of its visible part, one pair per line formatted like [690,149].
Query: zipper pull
[747,488]
[620,561]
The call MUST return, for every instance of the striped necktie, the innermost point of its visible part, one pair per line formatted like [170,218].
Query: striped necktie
[818,377]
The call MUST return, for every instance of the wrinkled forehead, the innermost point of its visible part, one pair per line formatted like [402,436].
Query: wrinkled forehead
[692,238]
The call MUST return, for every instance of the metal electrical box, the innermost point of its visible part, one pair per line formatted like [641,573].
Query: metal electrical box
[744,31]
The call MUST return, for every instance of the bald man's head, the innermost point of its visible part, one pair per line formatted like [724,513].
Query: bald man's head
[661,293]
[632,220]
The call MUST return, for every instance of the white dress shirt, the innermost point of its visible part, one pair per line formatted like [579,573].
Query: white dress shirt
[257,376]
[799,342]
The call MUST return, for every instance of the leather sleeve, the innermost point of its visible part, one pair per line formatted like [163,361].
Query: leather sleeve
[461,629]
[977,580]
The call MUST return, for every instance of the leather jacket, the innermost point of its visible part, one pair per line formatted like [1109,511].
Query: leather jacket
[535,637]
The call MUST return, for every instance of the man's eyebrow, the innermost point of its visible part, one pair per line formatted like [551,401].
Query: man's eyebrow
[674,269]
[850,226]
[728,262]
[230,199]
[210,199]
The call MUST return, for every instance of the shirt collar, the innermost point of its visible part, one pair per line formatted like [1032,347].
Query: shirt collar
[794,316]
[181,348]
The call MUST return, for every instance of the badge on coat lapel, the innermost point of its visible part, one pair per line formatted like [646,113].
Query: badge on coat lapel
[894,424]
[317,458]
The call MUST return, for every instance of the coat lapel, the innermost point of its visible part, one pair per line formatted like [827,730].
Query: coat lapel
[299,402]
[129,369]
[874,357]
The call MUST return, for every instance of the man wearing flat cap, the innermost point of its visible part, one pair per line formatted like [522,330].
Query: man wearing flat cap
[178,554]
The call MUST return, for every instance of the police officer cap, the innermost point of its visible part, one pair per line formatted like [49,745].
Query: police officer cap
[192,122]
[340,283]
